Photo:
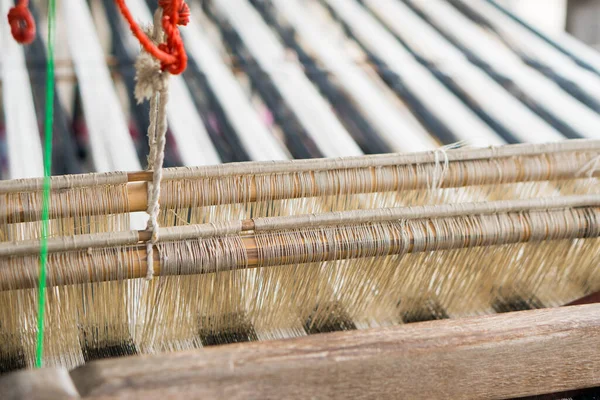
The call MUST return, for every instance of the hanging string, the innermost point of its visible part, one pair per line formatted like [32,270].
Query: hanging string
[48,123]
[153,83]
[156,62]
[22,24]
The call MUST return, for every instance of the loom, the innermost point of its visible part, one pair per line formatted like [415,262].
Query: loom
[361,198]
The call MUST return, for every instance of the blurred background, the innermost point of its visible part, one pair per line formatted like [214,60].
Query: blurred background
[283,79]
[578,17]
[549,15]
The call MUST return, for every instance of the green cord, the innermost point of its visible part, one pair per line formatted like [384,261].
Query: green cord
[48,122]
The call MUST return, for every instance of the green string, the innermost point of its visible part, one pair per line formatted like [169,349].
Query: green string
[48,122]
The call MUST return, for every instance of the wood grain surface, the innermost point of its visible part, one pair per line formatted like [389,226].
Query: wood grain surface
[500,356]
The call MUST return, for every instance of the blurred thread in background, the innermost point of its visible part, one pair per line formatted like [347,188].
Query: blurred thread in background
[581,18]
[548,15]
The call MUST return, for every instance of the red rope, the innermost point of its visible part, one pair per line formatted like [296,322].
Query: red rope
[172,53]
[22,24]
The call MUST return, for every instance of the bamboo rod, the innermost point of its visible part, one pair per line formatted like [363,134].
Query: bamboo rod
[295,166]
[341,246]
[380,179]
[260,225]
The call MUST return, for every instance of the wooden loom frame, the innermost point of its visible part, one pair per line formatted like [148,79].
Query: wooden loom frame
[387,362]
[522,163]
[499,356]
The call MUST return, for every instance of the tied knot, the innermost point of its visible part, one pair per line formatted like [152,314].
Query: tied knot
[150,78]
[170,53]
[175,13]
[22,24]
[179,13]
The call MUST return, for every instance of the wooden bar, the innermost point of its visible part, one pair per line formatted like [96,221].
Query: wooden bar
[500,356]
[290,251]
[384,178]
[492,154]
[306,221]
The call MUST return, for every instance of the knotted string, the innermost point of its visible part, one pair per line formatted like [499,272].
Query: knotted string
[153,83]
[156,62]
[22,24]
[171,54]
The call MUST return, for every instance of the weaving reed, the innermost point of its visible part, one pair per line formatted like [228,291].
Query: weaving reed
[258,251]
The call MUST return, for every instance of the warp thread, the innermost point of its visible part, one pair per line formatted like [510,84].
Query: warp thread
[441,164]
[590,168]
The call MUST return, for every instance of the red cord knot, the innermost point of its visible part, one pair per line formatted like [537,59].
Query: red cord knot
[177,10]
[171,54]
[22,24]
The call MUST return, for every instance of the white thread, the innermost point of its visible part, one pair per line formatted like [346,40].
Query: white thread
[590,168]
[439,171]
[152,83]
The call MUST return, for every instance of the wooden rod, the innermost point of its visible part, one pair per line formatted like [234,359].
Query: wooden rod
[490,357]
[311,248]
[353,217]
[307,165]
[512,355]
[380,179]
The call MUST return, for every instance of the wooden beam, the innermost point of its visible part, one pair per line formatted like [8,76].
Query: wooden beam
[501,356]
[291,250]
[510,355]
[394,177]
